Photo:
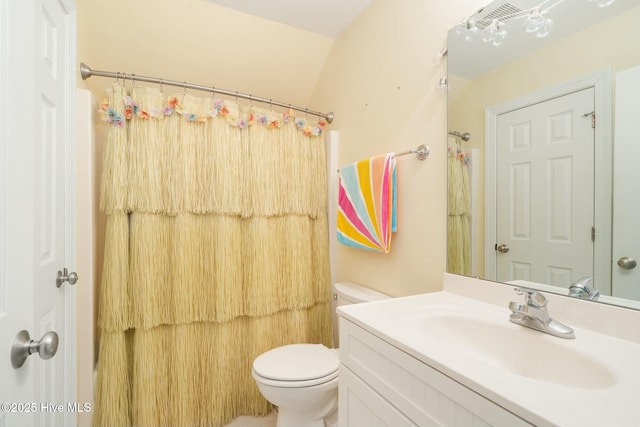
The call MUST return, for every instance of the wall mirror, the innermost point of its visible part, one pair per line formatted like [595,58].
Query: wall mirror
[544,163]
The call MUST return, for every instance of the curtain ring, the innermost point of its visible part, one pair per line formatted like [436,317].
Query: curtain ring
[184,88]
[161,85]
[133,80]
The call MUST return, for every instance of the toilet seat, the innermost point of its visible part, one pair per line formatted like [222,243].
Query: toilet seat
[294,384]
[296,365]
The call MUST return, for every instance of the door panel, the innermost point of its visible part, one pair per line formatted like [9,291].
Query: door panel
[16,205]
[544,197]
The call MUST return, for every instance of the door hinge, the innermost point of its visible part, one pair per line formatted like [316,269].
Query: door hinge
[593,234]
[593,118]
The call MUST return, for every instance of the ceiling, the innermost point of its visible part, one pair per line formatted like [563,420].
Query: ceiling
[327,18]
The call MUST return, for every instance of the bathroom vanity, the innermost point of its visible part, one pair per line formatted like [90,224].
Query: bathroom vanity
[382,385]
[452,358]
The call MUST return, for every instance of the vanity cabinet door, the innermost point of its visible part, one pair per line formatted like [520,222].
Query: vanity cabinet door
[361,406]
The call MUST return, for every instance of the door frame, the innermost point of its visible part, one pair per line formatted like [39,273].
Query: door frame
[70,294]
[601,82]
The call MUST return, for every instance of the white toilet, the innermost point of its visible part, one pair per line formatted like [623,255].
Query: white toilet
[302,379]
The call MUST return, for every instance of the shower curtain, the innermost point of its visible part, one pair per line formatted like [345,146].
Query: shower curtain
[459,208]
[216,250]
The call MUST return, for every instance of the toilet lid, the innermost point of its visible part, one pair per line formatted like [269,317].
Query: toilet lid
[297,362]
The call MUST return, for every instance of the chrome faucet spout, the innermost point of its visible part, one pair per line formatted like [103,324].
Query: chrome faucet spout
[581,288]
[537,313]
[534,314]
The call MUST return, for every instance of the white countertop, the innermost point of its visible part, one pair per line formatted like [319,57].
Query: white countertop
[611,398]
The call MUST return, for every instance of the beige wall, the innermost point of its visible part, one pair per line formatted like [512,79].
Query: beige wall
[380,80]
[200,42]
[593,49]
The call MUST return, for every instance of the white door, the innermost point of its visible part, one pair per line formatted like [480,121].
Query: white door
[626,200]
[544,191]
[37,75]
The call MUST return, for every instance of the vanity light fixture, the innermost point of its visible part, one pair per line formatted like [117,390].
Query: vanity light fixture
[538,23]
[467,28]
[491,27]
[494,33]
[533,21]
[545,28]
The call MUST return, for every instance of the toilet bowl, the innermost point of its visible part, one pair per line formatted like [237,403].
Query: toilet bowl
[302,379]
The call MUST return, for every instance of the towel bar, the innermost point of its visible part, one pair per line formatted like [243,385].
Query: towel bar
[422,152]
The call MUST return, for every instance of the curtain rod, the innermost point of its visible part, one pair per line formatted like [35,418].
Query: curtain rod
[86,72]
[466,136]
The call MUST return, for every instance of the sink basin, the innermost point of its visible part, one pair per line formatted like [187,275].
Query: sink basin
[517,349]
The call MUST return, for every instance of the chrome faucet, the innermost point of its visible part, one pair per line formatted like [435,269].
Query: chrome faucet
[581,289]
[534,314]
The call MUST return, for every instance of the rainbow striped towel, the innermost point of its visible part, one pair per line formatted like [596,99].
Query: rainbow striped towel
[367,203]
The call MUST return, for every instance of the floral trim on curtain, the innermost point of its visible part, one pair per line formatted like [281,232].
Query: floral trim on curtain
[460,154]
[218,108]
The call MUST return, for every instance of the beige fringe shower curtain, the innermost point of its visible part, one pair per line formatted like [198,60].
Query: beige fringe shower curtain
[459,201]
[216,251]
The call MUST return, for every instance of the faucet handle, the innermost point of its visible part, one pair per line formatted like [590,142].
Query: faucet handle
[532,297]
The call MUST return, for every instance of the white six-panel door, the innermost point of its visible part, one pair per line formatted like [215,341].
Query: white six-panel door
[37,82]
[544,191]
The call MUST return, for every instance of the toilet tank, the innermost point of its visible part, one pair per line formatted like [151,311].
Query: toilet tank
[351,293]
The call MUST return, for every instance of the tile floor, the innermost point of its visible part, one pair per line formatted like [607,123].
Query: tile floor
[245,421]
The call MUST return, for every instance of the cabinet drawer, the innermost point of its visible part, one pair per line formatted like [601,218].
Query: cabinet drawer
[425,395]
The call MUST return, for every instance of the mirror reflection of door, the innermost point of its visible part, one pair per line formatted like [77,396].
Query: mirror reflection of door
[626,206]
[544,191]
